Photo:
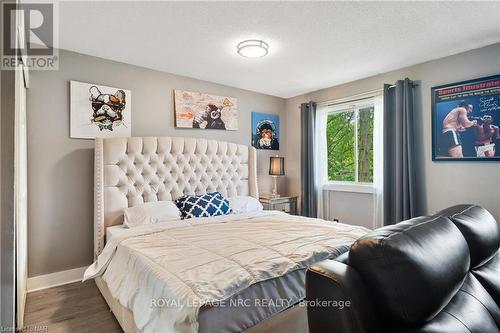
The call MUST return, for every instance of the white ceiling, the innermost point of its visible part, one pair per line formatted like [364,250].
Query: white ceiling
[312,45]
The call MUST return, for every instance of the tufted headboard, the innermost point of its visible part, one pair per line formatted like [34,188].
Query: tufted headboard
[131,171]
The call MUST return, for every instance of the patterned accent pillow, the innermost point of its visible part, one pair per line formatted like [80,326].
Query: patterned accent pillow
[206,205]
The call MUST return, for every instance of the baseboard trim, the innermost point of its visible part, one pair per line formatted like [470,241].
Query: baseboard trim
[55,279]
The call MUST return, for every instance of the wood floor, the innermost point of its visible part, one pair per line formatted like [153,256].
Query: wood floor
[72,308]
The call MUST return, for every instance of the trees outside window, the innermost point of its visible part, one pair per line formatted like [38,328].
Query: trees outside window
[349,134]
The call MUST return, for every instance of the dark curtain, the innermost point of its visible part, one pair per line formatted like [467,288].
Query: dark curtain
[308,191]
[399,153]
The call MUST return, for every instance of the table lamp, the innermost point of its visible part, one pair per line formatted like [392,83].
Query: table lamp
[276,168]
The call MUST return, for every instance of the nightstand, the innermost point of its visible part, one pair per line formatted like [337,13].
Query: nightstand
[285,204]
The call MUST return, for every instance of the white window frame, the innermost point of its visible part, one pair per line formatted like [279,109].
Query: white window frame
[354,104]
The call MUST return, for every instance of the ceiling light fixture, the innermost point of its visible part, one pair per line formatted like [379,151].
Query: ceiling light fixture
[253,48]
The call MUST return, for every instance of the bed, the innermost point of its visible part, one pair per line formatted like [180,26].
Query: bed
[230,273]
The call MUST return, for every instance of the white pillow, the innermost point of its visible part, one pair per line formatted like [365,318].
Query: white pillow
[243,204]
[151,213]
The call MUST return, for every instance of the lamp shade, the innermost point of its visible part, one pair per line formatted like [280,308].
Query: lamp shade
[277,166]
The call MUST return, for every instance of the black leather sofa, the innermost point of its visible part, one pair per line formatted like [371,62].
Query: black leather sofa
[438,273]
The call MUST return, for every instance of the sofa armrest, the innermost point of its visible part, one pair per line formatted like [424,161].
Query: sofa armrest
[328,282]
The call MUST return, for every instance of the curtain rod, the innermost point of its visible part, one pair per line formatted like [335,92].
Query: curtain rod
[413,85]
[352,98]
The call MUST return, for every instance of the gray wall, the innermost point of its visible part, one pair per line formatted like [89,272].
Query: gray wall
[7,254]
[60,169]
[444,183]
[350,207]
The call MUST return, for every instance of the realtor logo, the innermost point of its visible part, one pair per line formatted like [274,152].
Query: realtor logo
[29,36]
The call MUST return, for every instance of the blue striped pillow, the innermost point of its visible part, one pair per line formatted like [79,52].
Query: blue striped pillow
[206,205]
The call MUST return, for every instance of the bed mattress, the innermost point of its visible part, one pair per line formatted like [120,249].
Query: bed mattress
[256,303]
[115,231]
[252,305]
[221,274]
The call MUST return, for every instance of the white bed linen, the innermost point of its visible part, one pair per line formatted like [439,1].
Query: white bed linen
[114,230]
[151,213]
[204,260]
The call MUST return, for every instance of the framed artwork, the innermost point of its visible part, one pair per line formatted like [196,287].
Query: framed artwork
[466,120]
[99,111]
[199,110]
[265,131]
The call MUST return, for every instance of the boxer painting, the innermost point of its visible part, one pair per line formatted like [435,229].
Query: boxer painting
[486,136]
[466,120]
[456,121]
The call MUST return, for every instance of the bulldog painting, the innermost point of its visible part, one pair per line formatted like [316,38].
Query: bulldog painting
[99,111]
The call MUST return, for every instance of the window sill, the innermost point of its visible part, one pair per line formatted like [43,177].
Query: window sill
[349,187]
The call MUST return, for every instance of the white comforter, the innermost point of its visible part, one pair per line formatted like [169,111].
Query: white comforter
[165,272]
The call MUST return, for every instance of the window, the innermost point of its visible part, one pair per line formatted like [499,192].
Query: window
[349,136]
